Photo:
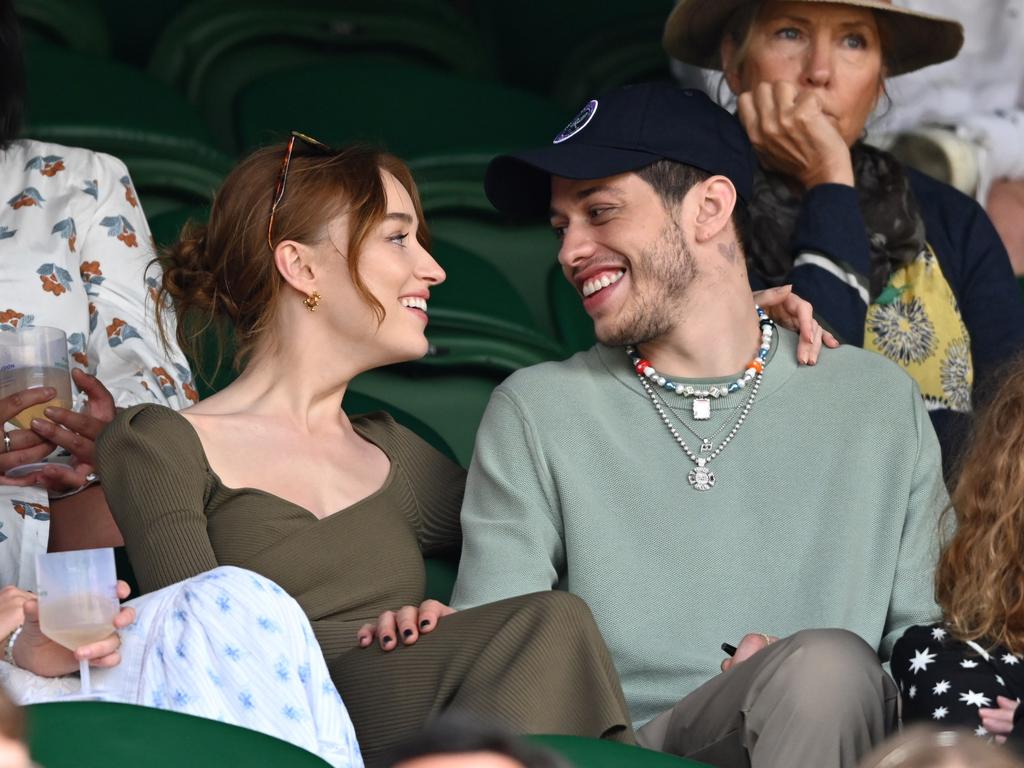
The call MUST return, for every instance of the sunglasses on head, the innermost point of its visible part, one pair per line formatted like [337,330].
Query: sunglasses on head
[282,178]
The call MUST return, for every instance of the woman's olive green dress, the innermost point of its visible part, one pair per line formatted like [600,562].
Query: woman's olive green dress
[536,663]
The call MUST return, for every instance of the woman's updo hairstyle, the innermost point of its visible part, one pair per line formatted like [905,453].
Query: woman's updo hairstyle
[223,276]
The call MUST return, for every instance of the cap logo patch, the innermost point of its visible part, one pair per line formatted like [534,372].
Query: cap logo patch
[578,123]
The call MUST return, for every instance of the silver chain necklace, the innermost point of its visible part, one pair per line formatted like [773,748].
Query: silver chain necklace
[701,478]
[707,444]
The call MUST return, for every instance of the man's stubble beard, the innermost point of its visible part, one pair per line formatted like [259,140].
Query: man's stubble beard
[657,298]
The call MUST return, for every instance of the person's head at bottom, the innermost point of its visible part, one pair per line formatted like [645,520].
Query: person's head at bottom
[646,189]
[928,747]
[13,752]
[458,741]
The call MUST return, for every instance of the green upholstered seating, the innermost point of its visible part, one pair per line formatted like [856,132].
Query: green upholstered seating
[594,753]
[78,25]
[92,734]
[446,125]
[522,251]
[213,49]
[88,101]
[449,398]
[628,51]
[573,324]
[75,24]
[536,41]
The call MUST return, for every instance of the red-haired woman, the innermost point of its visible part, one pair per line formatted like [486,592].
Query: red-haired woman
[969,670]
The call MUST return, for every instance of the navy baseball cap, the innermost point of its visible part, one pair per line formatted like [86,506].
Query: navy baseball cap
[624,130]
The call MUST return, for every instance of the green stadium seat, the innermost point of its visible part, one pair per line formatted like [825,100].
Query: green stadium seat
[134,27]
[446,125]
[166,226]
[536,40]
[213,49]
[574,326]
[359,402]
[626,52]
[449,398]
[87,101]
[522,252]
[75,24]
[597,753]
[96,734]
[441,574]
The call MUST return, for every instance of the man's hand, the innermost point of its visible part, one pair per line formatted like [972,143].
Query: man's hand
[749,645]
[407,623]
[75,432]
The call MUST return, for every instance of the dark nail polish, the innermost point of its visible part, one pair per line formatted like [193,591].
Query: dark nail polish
[425,623]
[386,640]
[407,633]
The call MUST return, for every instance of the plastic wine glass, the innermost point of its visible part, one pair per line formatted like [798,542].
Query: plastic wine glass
[34,357]
[77,600]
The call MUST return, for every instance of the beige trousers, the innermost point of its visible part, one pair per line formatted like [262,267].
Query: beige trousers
[816,699]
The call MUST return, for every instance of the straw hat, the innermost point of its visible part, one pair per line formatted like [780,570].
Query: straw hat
[695,28]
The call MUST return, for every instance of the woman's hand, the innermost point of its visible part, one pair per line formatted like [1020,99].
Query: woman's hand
[797,315]
[792,134]
[998,720]
[77,432]
[408,623]
[37,653]
[26,446]
[12,609]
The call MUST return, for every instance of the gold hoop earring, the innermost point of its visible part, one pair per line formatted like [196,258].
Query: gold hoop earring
[312,301]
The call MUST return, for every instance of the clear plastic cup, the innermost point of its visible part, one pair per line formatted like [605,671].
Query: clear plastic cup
[77,599]
[35,357]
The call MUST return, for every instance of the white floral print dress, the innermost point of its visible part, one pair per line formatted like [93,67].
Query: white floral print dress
[75,253]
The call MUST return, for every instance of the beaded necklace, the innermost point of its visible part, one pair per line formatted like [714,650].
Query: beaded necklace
[701,478]
[701,401]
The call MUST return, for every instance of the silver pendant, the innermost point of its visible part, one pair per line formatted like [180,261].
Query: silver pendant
[706,446]
[701,408]
[701,478]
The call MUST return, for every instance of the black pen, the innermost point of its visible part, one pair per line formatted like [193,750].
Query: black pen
[730,649]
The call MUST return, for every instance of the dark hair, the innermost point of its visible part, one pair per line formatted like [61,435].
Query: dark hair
[12,75]
[223,274]
[458,734]
[672,180]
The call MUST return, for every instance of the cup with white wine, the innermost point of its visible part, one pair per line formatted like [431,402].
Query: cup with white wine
[34,357]
[77,600]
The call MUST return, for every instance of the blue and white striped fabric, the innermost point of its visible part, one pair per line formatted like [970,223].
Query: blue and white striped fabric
[229,645]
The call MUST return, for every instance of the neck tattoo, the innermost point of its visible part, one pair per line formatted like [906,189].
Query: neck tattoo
[701,395]
[701,478]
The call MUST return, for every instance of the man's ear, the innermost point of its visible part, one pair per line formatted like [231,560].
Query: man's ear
[715,201]
[296,264]
[728,53]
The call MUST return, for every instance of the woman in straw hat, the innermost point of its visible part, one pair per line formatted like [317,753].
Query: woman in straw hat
[892,260]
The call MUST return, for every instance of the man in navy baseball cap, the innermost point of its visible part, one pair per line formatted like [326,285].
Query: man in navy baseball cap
[624,130]
[685,476]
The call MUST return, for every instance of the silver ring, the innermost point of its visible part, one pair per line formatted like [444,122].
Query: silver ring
[7,443]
